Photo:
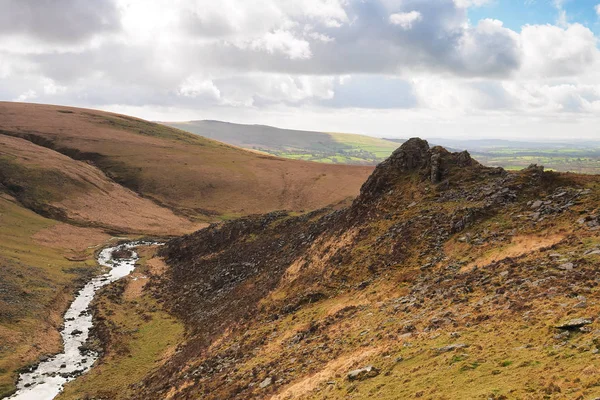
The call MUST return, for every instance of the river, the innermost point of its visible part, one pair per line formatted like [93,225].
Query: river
[46,380]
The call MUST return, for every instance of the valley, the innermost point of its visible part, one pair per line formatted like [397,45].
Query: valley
[43,262]
[299,200]
[47,379]
[439,278]
[72,181]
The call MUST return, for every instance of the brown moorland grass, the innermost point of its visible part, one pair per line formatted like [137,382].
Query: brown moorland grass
[196,176]
[70,237]
[55,185]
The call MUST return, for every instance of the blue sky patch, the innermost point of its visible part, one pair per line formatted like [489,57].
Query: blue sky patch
[516,13]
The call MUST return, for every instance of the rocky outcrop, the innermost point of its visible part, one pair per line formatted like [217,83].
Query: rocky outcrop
[416,157]
[414,154]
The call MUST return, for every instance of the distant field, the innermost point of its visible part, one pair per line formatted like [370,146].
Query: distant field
[362,152]
[576,156]
[350,149]
[584,163]
[345,148]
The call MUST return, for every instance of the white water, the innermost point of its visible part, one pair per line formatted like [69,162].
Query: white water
[46,380]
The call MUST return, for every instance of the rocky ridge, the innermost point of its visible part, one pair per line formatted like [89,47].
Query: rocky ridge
[439,277]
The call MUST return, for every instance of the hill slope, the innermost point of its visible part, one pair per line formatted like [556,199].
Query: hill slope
[444,279]
[304,145]
[193,176]
[62,188]
[71,178]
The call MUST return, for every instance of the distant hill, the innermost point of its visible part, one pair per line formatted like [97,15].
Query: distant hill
[342,148]
[326,147]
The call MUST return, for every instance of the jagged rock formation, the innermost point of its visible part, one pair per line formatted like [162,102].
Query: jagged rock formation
[416,157]
[435,248]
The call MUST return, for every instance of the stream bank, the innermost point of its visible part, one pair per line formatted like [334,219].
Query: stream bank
[47,379]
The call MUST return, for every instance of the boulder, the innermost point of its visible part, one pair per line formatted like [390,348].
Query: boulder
[574,324]
[536,204]
[568,266]
[266,382]
[451,347]
[122,254]
[363,373]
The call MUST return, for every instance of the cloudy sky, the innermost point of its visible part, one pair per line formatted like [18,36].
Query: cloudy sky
[432,68]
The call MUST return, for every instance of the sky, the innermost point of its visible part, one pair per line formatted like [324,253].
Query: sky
[517,69]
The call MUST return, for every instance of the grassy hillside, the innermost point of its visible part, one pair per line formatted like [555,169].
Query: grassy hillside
[194,176]
[444,279]
[41,263]
[324,147]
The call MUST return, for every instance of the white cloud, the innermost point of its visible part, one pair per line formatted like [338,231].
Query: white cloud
[331,13]
[597,8]
[406,20]
[26,96]
[294,89]
[486,46]
[195,87]
[461,96]
[51,88]
[552,51]
[261,89]
[319,36]
[418,57]
[65,21]
[471,3]
[284,42]
[562,97]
